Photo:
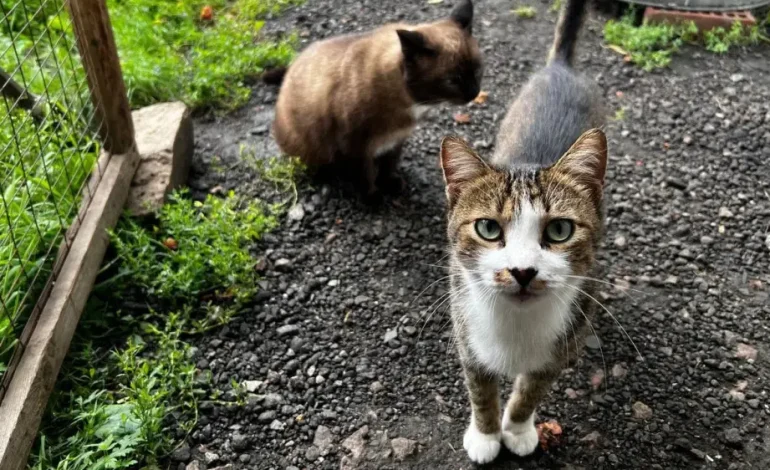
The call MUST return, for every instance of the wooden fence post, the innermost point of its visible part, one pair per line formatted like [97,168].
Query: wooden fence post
[96,44]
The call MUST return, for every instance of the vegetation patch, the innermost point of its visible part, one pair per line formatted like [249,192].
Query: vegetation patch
[129,390]
[525,11]
[651,46]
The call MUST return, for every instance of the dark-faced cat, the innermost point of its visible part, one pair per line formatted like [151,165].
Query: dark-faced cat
[524,229]
[352,100]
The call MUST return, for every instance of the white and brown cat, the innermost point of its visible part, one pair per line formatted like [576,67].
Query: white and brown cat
[524,230]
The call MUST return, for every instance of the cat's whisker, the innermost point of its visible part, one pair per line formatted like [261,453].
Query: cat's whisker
[639,354]
[613,284]
[590,325]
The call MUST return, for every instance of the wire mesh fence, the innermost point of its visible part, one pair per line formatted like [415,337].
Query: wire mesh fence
[48,149]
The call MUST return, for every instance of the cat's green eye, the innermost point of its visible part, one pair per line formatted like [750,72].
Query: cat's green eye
[559,230]
[488,229]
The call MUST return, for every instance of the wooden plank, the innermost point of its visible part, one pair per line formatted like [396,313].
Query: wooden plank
[99,55]
[25,400]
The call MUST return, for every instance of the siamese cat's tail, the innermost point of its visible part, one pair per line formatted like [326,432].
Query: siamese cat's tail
[570,21]
[274,76]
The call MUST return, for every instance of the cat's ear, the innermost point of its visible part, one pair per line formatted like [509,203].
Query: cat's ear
[462,14]
[460,165]
[413,43]
[586,160]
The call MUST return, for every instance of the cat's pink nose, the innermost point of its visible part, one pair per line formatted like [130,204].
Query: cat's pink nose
[524,276]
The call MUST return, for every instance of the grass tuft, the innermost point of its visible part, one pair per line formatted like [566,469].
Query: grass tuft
[524,11]
[651,46]
[125,396]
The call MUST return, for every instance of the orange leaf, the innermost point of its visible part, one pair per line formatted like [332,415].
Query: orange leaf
[461,118]
[171,244]
[548,434]
[481,98]
[207,13]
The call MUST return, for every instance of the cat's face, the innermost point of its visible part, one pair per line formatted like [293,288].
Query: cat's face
[442,61]
[526,235]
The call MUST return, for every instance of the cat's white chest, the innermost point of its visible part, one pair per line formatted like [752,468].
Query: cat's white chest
[510,340]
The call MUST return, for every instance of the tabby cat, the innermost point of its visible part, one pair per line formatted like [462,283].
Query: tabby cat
[524,230]
[352,100]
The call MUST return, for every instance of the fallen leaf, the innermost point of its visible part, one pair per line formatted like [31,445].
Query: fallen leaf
[618,49]
[207,13]
[639,163]
[721,229]
[461,118]
[619,94]
[434,2]
[218,189]
[338,221]
[627,59]
[549,433]
[171,244]
[755,284]
[481,98]
[666,145]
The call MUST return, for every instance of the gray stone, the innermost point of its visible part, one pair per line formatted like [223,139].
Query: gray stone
[277,425]
[296,213]
[283,265]
[641,411]
[592,342]
[182,454]
[390,335]
[194,465]
[733,436]
[272,400]
[210,457]
[165,141]
[323,439]
[355,443]
[403,448]
[725,212]
[287,330]
[620,241]
[312,453]
[376,387]
[240,442]
[252,386]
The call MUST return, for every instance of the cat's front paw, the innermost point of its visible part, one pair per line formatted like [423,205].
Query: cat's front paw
[521,442]
[482,448]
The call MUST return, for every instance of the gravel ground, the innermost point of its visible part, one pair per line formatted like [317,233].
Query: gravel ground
[347,356]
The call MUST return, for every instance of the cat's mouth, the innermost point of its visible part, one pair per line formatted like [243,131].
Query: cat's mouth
[522,295]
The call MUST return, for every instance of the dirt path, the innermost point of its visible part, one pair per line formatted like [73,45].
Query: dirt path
[352,330]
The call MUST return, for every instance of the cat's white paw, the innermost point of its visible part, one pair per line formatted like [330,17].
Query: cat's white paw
[521,441]
[481,448]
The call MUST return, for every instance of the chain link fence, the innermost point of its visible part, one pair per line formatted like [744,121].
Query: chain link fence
[49,150]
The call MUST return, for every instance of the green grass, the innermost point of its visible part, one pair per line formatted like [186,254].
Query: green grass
[206,242]
[167,52]
[652,46]
[124,395]
[41,171]
[524,11]
[720,40]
